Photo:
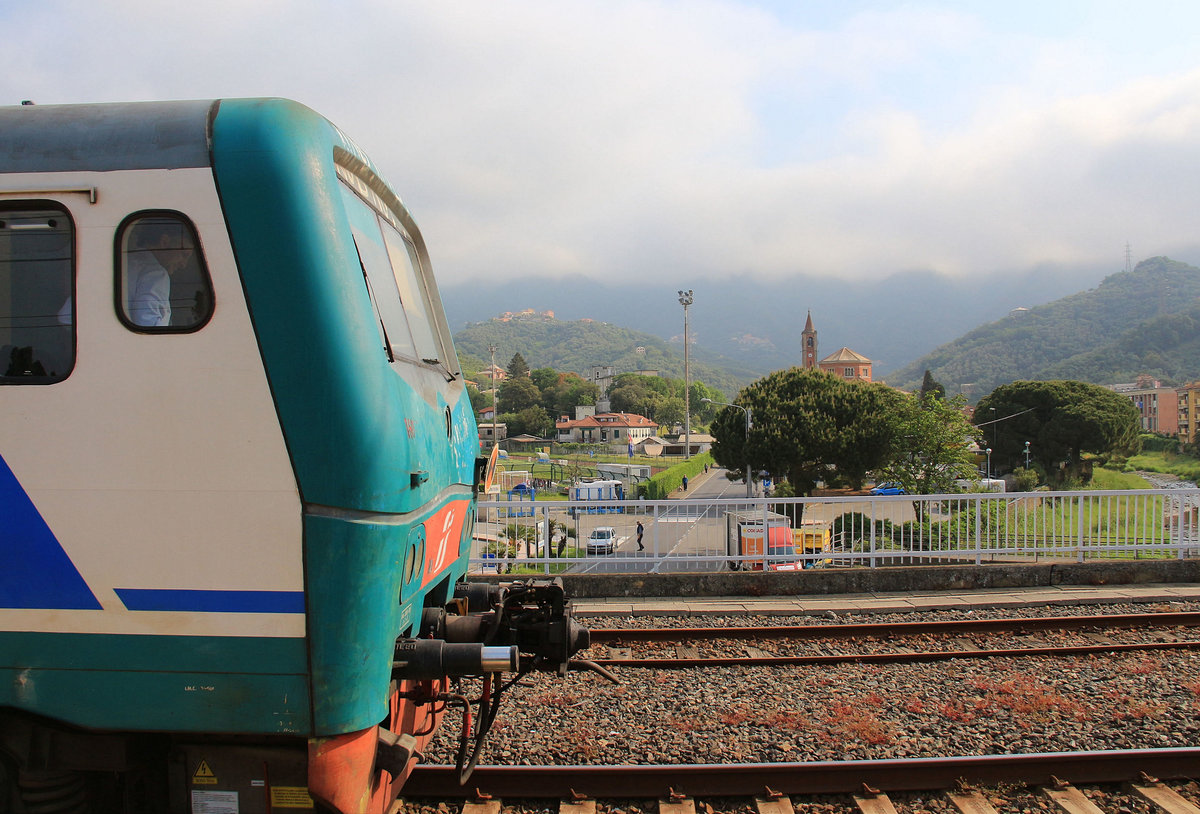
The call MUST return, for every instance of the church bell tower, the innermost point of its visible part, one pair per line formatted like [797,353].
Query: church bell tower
[808,341]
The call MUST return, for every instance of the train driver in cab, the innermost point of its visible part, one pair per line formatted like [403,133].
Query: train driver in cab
[155,249]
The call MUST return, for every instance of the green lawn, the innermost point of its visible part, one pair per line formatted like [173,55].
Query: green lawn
[1168,463]
[1111,479]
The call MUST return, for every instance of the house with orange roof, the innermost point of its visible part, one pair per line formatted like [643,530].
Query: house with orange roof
[616,429]
[847,364]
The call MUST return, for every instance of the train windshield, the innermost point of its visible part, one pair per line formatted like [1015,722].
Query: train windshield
[37,311]
[390,266]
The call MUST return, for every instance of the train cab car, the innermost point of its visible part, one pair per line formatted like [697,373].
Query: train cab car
[236,462]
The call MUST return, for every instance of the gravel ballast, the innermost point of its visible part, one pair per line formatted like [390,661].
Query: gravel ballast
[847,712]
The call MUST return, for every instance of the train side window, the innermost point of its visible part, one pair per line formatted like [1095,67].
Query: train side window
[37,313]
[162,281]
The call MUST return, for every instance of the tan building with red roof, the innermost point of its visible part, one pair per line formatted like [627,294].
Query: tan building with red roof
[618,429]
[846,364]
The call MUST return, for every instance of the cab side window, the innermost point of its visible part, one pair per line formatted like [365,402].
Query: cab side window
[37,314]
[162,281]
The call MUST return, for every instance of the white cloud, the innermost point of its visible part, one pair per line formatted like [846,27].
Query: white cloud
[646,138]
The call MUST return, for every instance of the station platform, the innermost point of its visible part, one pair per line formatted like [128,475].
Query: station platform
[898,602]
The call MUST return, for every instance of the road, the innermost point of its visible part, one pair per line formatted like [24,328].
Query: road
[689,526]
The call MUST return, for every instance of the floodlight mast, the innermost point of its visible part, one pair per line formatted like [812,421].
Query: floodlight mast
[686,299]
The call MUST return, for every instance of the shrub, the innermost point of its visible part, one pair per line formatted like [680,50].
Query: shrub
[667,481]
[1024,480]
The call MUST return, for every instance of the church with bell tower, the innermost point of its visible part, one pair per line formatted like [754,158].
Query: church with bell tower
[845,363]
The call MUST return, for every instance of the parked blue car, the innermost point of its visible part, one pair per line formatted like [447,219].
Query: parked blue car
[889,489]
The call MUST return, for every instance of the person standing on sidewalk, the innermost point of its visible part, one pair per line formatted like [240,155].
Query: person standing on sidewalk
[640,531]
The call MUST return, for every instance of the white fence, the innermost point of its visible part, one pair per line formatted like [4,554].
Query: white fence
[714,535]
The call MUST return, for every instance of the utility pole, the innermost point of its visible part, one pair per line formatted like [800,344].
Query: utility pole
[686,299]
[492,376]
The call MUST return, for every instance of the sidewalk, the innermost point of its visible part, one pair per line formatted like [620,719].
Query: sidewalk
[839,604]
[700,478]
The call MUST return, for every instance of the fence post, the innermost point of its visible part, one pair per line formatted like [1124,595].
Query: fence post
[654,539]
[1079,528]
[978,539]
[547,541]
[874,526]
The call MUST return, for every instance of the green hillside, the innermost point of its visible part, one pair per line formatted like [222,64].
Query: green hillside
[577,346]
[1142,321]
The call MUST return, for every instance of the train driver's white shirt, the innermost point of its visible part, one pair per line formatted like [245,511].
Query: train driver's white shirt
[149,287]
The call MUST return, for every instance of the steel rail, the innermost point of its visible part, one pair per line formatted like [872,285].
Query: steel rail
[884,658]
[1125,620]
[820,777]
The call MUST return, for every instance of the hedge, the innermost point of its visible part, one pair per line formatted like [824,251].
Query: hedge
[664,483]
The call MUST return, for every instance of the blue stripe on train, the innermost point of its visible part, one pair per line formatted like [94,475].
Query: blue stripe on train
[153,599]
[35,572]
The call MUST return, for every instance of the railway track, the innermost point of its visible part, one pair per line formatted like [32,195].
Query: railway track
[861,726]
[869,781]
[824,631]
[877,643]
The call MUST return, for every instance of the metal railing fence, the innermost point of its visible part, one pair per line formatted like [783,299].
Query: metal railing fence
[697,535]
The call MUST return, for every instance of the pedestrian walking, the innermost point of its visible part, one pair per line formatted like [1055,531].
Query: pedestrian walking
[640,531]
[685,483]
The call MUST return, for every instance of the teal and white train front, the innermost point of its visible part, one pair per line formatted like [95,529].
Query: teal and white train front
[236,458]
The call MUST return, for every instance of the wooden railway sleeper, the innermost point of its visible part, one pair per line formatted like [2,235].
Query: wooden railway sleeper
[773,802]
[1164,797]
[873,801]
[1069,799]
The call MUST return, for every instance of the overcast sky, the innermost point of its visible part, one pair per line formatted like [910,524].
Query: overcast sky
[628,138]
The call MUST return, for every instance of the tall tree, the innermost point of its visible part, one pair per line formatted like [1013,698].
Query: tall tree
[930,386]
[568,392]
[931,446]
[634,393]
[516,394]
[545,377]
[517,366]
[810,426]
[1061,420]
[667,411]
[530,421]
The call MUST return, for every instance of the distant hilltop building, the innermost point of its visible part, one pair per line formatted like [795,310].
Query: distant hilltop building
[527,314]
[1020,311]
[844,363]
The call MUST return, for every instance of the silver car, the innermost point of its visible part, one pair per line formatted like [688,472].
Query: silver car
[602,540]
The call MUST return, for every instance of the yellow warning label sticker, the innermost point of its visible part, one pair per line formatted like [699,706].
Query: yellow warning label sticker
[290,797]
[204,775]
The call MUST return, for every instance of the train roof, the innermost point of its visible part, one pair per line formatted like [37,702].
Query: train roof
[102,137]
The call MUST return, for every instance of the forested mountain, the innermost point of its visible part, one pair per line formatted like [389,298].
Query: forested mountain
[757,323]
[1142,321]
[578,345]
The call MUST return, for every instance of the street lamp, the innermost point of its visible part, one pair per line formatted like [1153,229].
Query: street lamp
[746,410]
[686,299]
[989,464]
[1027,455]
